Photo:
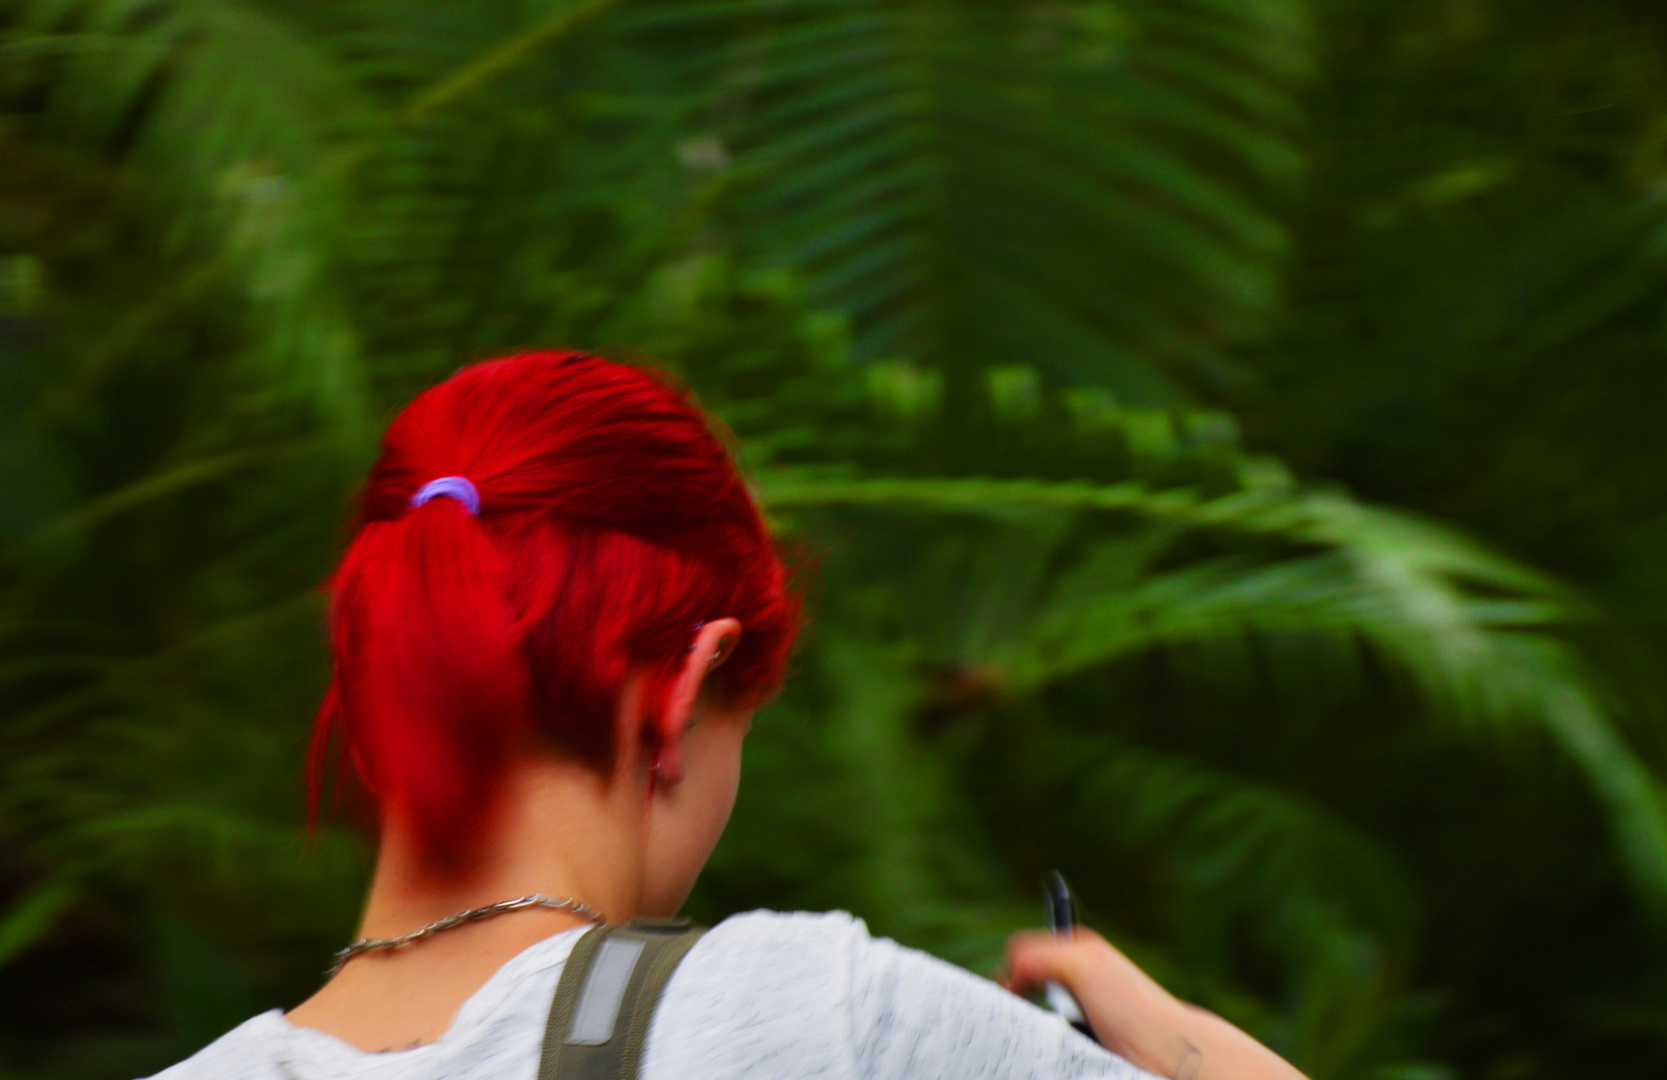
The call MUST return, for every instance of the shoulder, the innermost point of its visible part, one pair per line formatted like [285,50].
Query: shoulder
[243,1053]
[823,956]
[832,942]
[834,951]
[762,994]
[784,942]
[873,1008]
[777,956]
[836,929]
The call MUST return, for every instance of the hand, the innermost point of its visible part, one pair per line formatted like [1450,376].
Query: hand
[1133,1016]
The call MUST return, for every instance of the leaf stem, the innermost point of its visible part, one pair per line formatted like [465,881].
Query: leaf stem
[504,57]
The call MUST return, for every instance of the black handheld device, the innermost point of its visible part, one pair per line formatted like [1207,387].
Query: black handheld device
[1060,910]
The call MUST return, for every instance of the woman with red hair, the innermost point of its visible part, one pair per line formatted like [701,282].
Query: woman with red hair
[549,633]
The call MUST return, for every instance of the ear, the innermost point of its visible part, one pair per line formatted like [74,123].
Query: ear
[713,644]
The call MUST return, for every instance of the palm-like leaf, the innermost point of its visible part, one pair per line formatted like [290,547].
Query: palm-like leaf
[1470,627]
[1061,184]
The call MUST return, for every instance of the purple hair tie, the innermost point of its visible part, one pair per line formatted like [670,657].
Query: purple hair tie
[460,488]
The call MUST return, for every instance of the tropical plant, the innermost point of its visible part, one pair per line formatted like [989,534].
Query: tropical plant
[963,277]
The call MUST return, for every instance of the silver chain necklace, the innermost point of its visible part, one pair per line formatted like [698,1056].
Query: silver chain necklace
[532,900]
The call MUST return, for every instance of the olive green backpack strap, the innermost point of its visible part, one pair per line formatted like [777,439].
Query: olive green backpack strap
[606,997]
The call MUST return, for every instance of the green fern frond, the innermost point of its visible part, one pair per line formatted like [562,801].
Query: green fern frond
[1474,631]
[942,174]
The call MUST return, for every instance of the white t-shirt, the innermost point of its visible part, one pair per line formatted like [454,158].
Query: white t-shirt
[763,996]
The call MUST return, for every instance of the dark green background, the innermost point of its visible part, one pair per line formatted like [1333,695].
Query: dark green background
[1222,436]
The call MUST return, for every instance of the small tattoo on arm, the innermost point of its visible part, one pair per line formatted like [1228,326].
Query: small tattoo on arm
[1192,1060]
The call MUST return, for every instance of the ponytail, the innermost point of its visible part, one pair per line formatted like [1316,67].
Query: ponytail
[430,678]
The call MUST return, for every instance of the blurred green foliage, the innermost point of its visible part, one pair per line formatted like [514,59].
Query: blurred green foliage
[989,292]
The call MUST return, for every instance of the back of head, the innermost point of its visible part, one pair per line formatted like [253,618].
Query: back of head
[611,521]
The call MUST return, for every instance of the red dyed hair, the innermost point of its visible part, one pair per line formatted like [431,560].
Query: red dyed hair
[612,520]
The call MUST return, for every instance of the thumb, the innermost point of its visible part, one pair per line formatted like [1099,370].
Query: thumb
[1037,958]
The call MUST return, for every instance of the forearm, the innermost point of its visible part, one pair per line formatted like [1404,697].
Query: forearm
[1182,1042]
[1137,1019]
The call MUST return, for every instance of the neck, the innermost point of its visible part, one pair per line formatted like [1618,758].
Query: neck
[560,828]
